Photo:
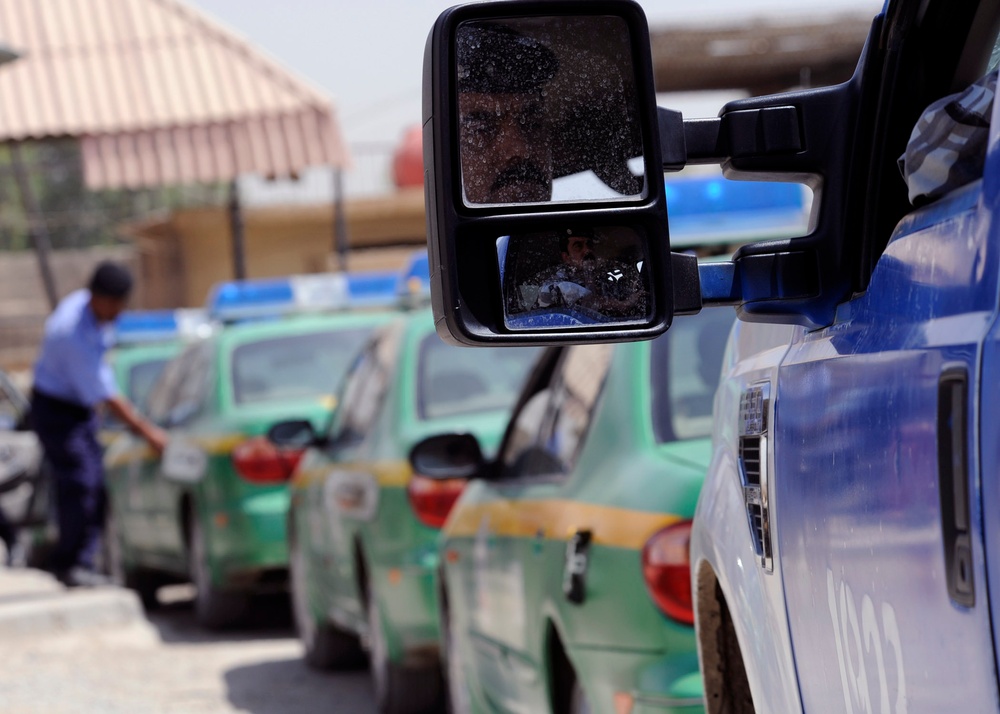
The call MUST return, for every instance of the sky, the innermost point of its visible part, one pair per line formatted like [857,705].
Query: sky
[367,55]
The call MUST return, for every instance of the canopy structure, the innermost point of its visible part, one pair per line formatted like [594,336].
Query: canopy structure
[158,94]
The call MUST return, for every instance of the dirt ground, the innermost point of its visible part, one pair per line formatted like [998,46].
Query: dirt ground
[172,666]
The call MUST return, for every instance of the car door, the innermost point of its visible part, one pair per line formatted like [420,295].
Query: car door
[149,498]
[518,556]
[877,477]
[347,494]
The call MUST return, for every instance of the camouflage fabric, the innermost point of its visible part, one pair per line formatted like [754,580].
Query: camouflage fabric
[947,147]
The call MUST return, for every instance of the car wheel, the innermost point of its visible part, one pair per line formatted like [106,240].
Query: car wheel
[143,582]
[326,646]
[578,703]
[214,608]
[398,689]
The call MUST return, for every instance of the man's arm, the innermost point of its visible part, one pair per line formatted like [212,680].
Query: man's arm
[125,412]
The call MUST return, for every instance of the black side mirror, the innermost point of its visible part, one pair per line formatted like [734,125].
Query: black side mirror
[547,218]
[447,456]
[295,433]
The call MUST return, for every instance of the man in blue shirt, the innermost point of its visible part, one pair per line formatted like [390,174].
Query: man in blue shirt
[71,381]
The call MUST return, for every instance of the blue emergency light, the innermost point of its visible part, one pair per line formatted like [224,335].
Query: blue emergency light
[274,297]
[143,326]
[714,210]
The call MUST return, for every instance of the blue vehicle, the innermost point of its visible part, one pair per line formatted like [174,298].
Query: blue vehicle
[845,552]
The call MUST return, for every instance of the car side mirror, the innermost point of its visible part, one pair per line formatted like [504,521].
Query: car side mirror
[540,117]
[294,433]
[447,456]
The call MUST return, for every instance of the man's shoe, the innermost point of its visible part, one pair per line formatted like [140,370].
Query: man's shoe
[79,577]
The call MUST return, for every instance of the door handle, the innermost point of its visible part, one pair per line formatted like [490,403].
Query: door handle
[953,481]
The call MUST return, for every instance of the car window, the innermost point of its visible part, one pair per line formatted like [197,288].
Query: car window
[576,388]
[456,380]
[365,387]
[685,363]
[295,366]
[141,378]
[193,385]
[548,431]
[163,393]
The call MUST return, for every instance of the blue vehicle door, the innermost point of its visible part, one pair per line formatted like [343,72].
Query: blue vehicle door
[877,493]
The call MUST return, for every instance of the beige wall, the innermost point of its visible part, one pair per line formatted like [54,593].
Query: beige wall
[182,257]
[23,304]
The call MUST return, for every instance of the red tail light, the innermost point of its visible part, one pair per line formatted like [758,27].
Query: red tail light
[666,566]
[432,499]
[259,461]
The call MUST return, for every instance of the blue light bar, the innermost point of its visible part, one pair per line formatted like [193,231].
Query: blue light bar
[715,210]
[142,326]
[274,297]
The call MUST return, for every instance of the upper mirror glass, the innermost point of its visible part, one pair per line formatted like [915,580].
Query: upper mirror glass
[547,111]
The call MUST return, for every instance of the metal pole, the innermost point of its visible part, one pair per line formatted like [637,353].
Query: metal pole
[37,231]
[339,220]
[236,232]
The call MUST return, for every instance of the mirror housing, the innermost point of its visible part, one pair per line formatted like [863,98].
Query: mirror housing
[826,138]
[447,456]
[469,215]
[294,433]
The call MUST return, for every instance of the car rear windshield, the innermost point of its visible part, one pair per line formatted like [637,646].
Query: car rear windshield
[141,378]
[458,380]
[685,363]
[294,366]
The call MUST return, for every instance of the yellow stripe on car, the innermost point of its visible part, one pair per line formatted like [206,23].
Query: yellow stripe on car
[559,520]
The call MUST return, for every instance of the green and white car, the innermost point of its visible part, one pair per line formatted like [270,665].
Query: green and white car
[564,571]
[363,527]
[213,509]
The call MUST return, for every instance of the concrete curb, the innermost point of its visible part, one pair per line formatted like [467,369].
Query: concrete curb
[33,603]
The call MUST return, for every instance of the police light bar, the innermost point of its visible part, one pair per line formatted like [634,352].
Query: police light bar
[143,326]
[714,210]
[275,297]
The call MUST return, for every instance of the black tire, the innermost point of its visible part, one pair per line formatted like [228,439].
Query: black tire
[326,645]
[143,582]
[398,689]
[214,608]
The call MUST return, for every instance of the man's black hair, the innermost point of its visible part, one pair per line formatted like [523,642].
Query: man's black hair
[495,59]
[111,280]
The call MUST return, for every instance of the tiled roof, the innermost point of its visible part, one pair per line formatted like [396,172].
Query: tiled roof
[157,93]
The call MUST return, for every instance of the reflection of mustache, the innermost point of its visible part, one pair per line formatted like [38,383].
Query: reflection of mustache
[521,172]
[589,256]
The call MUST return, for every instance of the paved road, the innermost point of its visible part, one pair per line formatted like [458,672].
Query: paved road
[171,666]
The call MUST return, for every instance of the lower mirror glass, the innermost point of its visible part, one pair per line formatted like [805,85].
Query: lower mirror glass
[575,277]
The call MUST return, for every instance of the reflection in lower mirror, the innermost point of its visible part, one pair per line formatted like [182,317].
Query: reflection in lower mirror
[574,277]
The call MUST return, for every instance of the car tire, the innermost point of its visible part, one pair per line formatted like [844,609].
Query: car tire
[143,582]
[326,646]
[398,689]
[214,608]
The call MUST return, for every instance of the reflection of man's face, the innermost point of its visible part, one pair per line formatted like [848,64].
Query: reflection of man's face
[578,250]
[506,157]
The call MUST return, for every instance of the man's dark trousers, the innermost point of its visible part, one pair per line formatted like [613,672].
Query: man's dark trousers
[68,433]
